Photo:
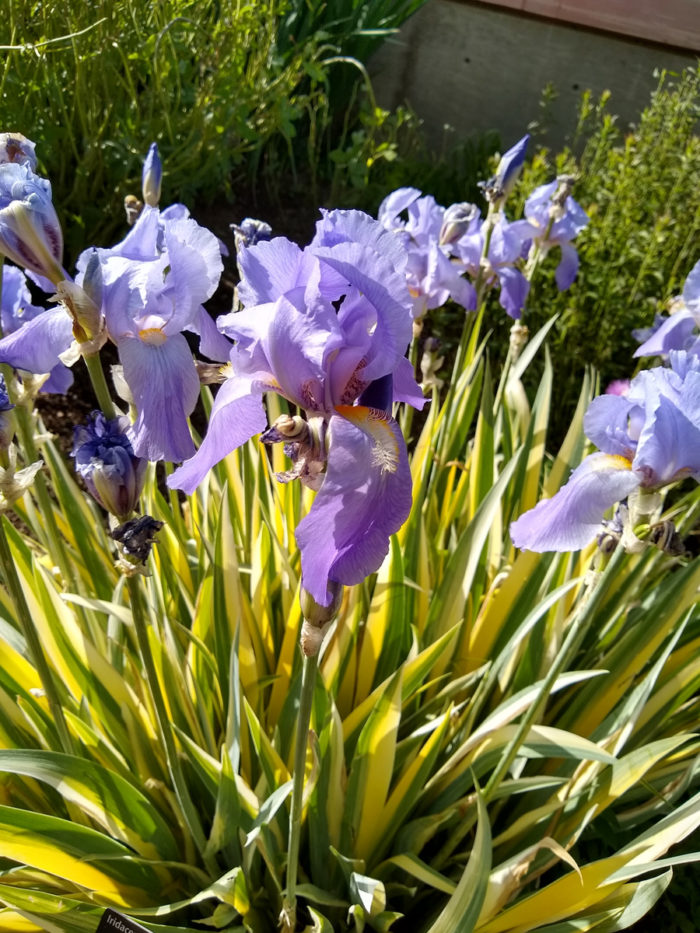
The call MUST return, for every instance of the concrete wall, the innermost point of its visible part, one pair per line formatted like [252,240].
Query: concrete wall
[477,67]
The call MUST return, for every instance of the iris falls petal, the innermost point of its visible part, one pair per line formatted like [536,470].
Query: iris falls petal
[571,519]
[365,498]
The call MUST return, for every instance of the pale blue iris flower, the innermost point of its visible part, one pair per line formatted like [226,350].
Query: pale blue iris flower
[647,439]
[327,328]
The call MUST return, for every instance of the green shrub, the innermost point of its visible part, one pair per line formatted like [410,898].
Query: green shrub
[641,192]
[214,83]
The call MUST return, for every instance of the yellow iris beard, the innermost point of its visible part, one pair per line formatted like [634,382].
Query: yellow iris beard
[616,461]
[375,424]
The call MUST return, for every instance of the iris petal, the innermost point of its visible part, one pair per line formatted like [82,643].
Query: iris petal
[235,417]
[165,387]
[571,519]
[365,498]
[37,344]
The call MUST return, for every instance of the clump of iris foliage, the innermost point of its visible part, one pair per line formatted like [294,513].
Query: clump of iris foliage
[224,87]
[461,712]
[639,184]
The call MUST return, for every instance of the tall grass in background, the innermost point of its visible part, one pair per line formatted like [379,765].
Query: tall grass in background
[217,85]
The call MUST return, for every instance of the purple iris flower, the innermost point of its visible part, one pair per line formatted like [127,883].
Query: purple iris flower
[554,219]
[647,438]
[326,327]
[432,276]
[30,234]
[31,333]
[503,254]
[679,331]
[105,459]
[153,286]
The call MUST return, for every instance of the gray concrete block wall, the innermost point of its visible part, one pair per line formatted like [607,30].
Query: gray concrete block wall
[477,68]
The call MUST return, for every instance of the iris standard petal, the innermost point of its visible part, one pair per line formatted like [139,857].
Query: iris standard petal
[296,348]
[269,269]
[571,519]
[365,498]
[386,292]
[237,415]
[393,204]
[669,445]
[607,423]
[195,265]
[357,227]
[164,384]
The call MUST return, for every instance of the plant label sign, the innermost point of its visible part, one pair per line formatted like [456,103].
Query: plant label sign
[113,922]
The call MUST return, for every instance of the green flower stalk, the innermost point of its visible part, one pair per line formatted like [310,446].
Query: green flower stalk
[316,620]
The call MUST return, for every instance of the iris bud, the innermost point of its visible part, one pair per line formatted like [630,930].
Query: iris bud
[497,189]
[250,231]
[17,148]
[30,234]
[105,459]
[457,221]
[151,177]
[317,618]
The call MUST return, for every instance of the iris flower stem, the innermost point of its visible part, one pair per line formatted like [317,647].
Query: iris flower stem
[408,409]
[99,384]
[164,727]
[55,543]
[31,637]
[308,680]
[589,602]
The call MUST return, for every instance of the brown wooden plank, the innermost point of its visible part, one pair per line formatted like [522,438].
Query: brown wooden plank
[669,22]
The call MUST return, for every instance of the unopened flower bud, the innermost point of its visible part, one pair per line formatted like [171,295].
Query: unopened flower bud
[151,177]
[519,336]
[249,232]
[210,373]
[458,220]
[565,185]
[664,536]
[105,459]
[497,189]
[13,482]
[430,363]
[30,234]
[88,322]
[17,148]
[317,615]
[92,278]
[317,618]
